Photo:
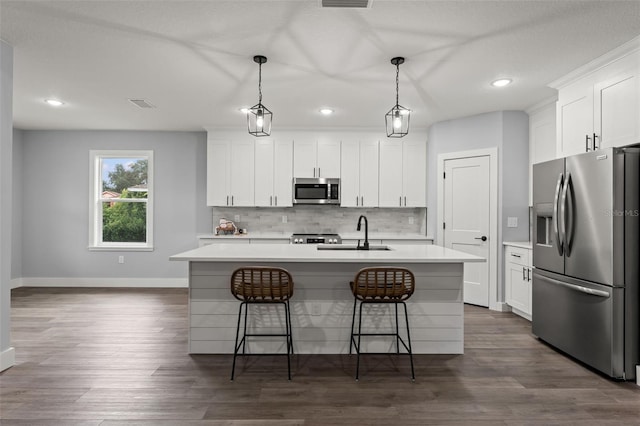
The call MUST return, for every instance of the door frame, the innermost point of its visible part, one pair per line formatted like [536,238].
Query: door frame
[492,153]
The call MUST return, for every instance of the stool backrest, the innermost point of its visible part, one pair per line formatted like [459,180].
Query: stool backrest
[383,283]
[261,284]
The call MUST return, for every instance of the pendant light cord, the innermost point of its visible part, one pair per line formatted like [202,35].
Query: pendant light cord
[397,85]
[260,83]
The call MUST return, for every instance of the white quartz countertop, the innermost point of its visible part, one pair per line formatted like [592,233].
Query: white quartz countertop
[344,235]
[521,244]
[420,253]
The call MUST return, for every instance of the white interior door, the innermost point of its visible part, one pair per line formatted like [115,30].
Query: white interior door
[466,220]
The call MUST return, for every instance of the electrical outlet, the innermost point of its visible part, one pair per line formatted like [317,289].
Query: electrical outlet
[316,309]
[236,218]
[284,218]
[512,222]
[410,220]
[120,259]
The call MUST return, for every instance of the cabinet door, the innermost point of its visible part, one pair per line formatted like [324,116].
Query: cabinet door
[518,275]
[282,174]
[304,158]
[414,171]
[575,118]
[350,174]
[218,173]
[264,172]
[369,167]
[328,159]
[616,120]
[390,189]
[242,173]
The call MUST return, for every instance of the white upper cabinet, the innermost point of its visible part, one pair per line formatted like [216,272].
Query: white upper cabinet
[273,173]
[359,174]
[230,173]
[316,158]
[403,173]
[542,138]
[602,108]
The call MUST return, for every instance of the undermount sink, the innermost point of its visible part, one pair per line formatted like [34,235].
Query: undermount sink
[372,247]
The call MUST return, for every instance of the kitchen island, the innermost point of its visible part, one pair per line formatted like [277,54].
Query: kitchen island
[322,303]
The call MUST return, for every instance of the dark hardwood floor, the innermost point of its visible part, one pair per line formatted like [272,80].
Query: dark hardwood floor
[118,357]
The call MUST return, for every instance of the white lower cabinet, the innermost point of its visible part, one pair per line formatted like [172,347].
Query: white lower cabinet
[518,276]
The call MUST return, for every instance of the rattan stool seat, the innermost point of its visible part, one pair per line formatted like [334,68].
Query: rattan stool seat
[262,285]
[391,285]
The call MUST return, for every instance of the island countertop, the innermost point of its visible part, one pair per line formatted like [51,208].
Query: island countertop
[426,253]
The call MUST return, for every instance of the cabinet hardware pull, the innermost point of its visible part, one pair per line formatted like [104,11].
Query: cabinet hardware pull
[586,143]
[227,200]
[523,275]
[405,201]
[318,171]
[232,200]
[314,172]
[270,200]
[356,201]
[362,200]
[515,255]
[276,200]
[594,142]
[400,200]
[528,274]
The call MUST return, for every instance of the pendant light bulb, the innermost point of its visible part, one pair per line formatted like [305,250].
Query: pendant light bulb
[397,120]
[260,118]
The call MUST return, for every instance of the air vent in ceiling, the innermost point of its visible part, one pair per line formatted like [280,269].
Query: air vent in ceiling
[361,4]
[141,103]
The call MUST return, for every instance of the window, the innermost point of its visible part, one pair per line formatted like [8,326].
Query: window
[121,200]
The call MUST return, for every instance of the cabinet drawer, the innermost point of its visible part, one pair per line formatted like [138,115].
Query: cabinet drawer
[517,255]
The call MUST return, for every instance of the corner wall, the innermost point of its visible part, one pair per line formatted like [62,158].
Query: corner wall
[7,353]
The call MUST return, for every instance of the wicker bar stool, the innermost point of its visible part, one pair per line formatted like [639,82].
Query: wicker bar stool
[262,285]
[386,285]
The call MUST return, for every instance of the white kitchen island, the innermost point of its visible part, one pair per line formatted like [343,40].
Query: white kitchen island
[322,303]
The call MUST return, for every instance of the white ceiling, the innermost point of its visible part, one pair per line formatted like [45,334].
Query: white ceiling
[193,59]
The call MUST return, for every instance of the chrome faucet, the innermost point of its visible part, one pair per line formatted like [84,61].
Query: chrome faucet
[364,246]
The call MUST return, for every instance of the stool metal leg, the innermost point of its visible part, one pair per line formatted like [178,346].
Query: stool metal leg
[358,346]
[235,345]
[406,317]
[353,321]
[397,331]
[287,322]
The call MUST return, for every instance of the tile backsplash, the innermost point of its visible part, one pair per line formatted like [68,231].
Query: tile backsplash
[322,219]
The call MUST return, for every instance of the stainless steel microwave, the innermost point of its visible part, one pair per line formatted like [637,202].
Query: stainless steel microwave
[316,191]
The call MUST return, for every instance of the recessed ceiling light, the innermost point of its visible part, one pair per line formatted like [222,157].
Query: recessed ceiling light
[326,111]
[54,102]
[502,82]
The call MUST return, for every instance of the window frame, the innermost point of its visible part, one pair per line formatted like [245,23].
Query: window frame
[96,201]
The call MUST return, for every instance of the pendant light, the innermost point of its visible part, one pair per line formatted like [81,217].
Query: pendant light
[397,119]
[258,116]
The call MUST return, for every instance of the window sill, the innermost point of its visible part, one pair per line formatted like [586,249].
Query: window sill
[120,248]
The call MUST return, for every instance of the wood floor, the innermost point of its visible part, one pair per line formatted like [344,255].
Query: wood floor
[118,357]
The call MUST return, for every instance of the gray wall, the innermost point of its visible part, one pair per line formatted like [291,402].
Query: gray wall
[55,173]
[6,158]
[506,130]
[18,196]
[509,132]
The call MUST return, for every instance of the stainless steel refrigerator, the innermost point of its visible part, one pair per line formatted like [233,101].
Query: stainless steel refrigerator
[586,239]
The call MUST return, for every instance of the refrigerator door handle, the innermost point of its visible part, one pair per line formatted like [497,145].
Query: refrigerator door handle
[556,218]
[581,289]
[567,217]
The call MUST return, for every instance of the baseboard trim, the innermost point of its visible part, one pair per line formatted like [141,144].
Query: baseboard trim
[7,359]
[15,283]
[105,282]
[503,307]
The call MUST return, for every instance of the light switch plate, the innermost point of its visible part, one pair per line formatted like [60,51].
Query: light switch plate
[512,222]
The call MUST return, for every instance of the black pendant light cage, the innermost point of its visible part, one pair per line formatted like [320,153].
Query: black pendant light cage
[258,116]
[397,119]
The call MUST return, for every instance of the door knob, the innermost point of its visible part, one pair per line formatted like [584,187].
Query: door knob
[483,238]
